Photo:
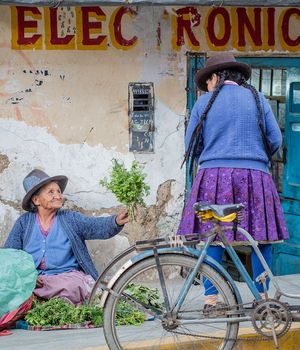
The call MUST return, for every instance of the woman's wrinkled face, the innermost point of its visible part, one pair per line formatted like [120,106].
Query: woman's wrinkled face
[49,197]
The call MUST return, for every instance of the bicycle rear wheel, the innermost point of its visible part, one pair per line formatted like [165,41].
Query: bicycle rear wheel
[155,333]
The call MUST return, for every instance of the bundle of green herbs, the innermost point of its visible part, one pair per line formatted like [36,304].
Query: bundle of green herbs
[127,185]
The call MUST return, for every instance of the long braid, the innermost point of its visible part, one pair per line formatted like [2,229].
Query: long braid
[196,141]
[259,119]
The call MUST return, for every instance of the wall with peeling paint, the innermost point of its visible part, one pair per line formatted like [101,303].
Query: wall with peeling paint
[66,112]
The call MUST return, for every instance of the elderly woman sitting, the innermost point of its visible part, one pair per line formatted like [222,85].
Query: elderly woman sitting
[56,238]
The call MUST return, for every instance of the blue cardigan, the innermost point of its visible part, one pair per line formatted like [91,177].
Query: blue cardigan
[231,135]
[77,227]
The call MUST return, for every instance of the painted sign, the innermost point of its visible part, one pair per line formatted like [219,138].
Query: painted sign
[194,28]
[68,28]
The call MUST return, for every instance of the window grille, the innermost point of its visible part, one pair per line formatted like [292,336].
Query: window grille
[272,83]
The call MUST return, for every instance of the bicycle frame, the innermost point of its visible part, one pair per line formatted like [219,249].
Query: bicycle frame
[237,262]
[202,257]
[219,231]
[153,254]
[148,253]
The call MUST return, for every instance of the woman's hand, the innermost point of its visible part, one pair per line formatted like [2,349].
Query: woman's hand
[122,218]
[39,282]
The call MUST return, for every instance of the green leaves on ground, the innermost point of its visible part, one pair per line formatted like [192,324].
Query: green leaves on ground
[127,185]
[128,315]
[145,295]
[57,312]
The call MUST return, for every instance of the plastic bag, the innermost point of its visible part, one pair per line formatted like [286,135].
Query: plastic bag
[17,278]
[10,318]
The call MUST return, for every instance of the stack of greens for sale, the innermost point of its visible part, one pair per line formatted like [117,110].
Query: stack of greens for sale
[128,185]
[57,312]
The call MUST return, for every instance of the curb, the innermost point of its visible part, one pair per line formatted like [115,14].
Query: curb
[290,341]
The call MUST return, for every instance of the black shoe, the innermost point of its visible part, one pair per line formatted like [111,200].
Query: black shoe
[207,308]
[214,310]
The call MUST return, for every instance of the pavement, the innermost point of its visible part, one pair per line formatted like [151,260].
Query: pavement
[93,339]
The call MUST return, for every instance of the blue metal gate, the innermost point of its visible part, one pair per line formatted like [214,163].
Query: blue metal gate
[287,255]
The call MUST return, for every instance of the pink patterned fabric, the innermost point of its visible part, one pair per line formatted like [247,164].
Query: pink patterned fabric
[74,287]
[263,215]
[9,319]
[83,325]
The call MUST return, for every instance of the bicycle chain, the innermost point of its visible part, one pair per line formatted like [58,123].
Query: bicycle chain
[221,338]
[249,339]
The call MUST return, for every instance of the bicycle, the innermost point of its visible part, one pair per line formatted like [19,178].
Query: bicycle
[179,320]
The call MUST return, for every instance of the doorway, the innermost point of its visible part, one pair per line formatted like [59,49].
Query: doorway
[278,78]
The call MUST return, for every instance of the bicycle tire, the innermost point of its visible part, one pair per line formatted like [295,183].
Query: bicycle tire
[152,332]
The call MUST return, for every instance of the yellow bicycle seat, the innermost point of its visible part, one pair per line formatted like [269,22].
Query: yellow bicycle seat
[209,214]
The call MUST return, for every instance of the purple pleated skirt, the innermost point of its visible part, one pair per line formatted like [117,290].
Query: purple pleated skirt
[263,216]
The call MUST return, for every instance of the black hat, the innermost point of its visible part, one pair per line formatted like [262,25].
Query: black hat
[37,179]
[218,62]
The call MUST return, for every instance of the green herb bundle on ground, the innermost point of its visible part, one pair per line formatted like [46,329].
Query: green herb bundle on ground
[57,312]
[127,185]
[145,294]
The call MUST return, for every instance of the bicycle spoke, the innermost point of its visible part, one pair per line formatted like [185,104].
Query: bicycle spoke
[169,330]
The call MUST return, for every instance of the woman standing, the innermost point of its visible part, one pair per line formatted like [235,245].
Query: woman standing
[233,133]
[56,238]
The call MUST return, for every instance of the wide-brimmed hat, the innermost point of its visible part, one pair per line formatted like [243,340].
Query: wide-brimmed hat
[35,180]
[219,62]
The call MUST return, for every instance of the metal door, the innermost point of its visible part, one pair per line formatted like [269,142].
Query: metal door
[291,185]
[287,255]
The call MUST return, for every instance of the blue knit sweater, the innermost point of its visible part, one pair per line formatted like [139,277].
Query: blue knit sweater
[231,135]
[76,226]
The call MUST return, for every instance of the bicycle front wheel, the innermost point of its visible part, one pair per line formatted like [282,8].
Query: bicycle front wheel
[186,332]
